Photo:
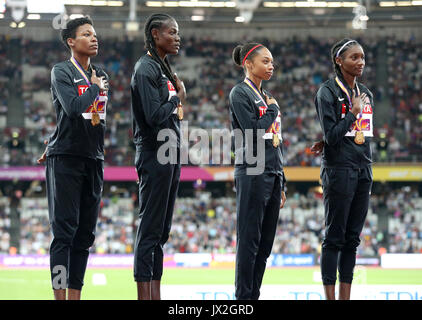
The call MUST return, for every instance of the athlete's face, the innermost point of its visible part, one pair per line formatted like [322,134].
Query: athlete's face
[352,61]
[85,42]
[167,39]
[262,65]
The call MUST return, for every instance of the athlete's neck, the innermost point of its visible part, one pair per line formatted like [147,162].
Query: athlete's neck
[350,80]
[256,81]
[161,53]
[83,60]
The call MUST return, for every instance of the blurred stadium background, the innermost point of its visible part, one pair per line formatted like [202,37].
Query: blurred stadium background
[200,253]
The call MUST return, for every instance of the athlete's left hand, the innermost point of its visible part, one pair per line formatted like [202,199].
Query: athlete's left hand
[283,199]
[44,155]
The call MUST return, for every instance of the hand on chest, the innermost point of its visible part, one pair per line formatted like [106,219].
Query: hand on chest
[100,102]
[364,120]
[276,126]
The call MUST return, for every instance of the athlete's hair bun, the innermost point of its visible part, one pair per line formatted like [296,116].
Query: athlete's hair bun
[236,55]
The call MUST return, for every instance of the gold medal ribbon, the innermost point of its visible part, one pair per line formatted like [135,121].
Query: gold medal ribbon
[359,136]
[95,117]
[343,88]
[252,86]
[79,68]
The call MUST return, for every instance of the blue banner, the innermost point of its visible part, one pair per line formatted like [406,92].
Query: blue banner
[292,260]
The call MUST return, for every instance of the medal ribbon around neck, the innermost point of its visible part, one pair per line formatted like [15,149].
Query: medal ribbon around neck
[79,68]
[343,88]
[252,86]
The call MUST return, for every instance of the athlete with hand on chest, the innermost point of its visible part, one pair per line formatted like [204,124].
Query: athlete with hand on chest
[259,195]
[157,96]
[75,157]
[345,112]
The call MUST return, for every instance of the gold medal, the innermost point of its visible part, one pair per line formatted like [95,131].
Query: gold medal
[95,120]
[359,137]
[180,112]
[276,140]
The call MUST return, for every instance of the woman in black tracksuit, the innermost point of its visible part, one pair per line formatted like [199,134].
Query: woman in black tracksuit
[259,195]
[344,109]
[156,105]
[74,157]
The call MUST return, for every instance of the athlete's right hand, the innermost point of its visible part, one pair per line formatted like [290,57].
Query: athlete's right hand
[270,100]
[99,81]
[357,102]
[181,90]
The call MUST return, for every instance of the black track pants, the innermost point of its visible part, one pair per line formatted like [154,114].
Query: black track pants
[346,194]
[158,185]
[74,187]
[258,205]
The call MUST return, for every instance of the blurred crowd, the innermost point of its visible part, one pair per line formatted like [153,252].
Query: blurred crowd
[404,209]
[206,67]
[4,75]
[203,223]
[206,224]
[405,91]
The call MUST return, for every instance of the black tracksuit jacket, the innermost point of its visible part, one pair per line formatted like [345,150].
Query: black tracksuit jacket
[340,151]
[244,114]
[74,134]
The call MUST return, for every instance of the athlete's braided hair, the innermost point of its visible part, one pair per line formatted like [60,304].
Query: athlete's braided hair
[156,21]
[336,48]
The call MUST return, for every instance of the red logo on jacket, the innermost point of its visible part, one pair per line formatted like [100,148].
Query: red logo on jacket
[100,106]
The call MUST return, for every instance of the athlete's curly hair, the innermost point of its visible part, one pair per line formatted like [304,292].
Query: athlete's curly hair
[72,26]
